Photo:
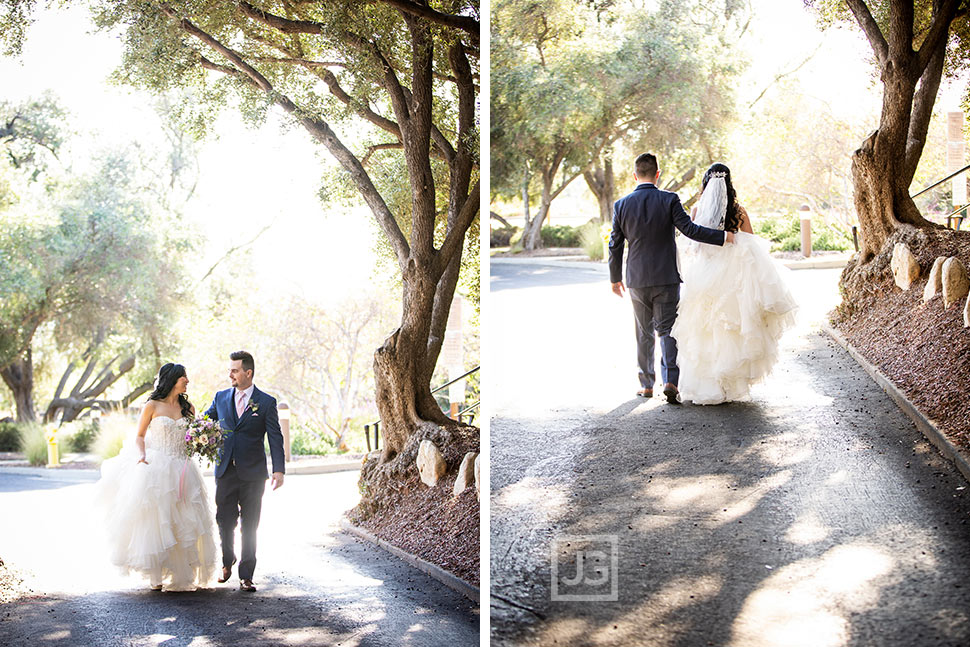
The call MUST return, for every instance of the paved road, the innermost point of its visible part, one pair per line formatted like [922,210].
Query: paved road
[317,586]
[813,515]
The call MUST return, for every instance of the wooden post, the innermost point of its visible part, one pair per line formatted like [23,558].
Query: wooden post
[284,411]
[805,212]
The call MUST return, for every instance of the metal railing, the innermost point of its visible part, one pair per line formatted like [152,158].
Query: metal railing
[955,218]
[377,423]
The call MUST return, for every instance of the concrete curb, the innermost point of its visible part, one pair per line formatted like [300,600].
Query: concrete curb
[816,265]
[470,591]
[924,424]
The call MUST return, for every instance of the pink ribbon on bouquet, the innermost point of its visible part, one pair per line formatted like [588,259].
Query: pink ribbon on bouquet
[182,478]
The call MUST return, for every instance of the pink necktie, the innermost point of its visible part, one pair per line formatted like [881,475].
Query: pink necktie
[239,405]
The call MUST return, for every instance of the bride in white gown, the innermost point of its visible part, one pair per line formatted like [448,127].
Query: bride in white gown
[734,305]
[157,515]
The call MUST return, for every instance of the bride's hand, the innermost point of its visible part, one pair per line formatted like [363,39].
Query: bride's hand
[142,460]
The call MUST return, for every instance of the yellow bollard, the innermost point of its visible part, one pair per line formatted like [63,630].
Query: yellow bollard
[53,457]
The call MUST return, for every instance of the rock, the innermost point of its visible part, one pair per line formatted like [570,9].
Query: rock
[478,491]
[431,464]
[956,283]
[466,473]
[904,266]
[934,285]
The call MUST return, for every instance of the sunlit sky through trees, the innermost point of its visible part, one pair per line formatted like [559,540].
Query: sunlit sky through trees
[248,179]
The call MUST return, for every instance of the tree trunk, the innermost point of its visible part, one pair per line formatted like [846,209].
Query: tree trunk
[883,167]
[532,236]
[601,182]
[19,378]
[400,365]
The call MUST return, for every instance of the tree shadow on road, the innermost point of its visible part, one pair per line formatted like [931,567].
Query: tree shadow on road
[803,519]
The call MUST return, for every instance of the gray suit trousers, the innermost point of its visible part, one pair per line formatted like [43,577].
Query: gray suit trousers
[655,310]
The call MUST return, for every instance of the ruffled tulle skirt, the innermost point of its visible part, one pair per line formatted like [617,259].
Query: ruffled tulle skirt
[734,308]
[157,519]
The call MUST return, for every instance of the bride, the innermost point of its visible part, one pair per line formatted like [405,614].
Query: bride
[156,506]
[734,300]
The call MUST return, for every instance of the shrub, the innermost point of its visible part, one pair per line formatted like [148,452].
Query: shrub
[79,436]
[9,437]
[114,430]
[304,442]
[502,236]
[785,234]
[560,236]
[34,443]
[594,236]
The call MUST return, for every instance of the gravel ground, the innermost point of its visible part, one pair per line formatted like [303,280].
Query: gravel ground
[922,348]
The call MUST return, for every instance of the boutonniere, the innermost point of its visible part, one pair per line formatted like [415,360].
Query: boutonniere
[253,406]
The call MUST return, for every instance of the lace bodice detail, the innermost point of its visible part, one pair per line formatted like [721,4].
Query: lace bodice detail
[167,436]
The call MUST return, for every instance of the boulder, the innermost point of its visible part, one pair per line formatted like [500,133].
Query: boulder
[904,266]
[478,491]
[431,464]
[956,283]
[934,285]
[466,473]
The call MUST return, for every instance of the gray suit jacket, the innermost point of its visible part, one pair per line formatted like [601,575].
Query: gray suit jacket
[646,218]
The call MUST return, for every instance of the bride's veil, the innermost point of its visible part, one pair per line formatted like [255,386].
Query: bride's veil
[712,208]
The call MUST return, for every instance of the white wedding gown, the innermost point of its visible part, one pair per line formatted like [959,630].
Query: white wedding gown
[157,516]
[734,308]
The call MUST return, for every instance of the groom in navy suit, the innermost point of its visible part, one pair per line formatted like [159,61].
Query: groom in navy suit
[249,414]
[647,218]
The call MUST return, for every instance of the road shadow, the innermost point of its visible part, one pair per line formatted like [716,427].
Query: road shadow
[814,515]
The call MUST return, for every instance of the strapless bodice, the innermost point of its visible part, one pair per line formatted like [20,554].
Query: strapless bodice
[167,436]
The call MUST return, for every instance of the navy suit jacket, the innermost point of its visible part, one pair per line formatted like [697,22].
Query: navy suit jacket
[244,445]
[646,218]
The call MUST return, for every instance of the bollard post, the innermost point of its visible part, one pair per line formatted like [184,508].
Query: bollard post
[284,412]
[805,213]
[53,456]
[855,237]
[367,437]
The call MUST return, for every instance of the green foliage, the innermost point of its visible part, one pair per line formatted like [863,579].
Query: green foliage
[560,236]
[502,236]
[115,429]
[78,436]
[34,444]
[304,442]
[9,437]
[784,232]
[594,235]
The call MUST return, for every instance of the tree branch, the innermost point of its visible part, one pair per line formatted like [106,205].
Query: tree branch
[464,23]
[937,36]
[870,28]
[456,236]
[321,131]
[234,249]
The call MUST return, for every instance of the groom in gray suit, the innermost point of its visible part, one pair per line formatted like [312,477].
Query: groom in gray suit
[646,218]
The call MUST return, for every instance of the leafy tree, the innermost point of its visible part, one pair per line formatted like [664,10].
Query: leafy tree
[913,42]
[402,74]
[567,90]
[85,262]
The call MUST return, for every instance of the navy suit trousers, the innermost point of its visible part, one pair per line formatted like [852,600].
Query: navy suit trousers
[655,310]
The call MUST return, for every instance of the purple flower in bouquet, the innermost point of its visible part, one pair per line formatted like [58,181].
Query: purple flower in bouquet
[204,438]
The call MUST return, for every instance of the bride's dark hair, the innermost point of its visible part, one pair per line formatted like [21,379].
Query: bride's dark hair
[168,375]
[731,219]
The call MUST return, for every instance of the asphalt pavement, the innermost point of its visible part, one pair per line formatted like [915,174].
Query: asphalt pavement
[816,514]
[316,584]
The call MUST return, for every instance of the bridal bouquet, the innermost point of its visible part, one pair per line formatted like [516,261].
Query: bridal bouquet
[204,438]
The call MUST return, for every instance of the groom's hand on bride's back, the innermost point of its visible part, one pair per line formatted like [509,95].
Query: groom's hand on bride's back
[728,237]
[618,288]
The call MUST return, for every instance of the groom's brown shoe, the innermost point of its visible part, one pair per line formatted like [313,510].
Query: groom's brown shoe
[645,393]
[672,394]
[226,573]
[247,586]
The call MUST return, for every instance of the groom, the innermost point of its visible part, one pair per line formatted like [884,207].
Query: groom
[646,218]
[249,415]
